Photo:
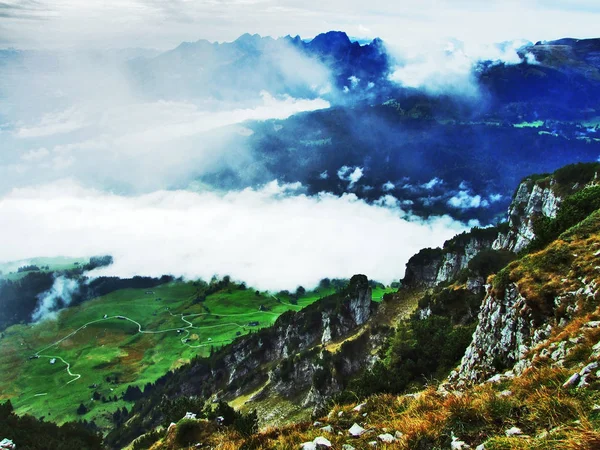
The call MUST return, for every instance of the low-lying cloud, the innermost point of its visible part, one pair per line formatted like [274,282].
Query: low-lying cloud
[58,296]
[273,238]
[450,67]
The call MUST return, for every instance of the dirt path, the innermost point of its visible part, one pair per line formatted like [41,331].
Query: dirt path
[189,326]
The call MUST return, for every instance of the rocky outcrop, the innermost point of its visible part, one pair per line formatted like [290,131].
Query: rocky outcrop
[503,336]
[284,360]
[531,200]
[431,267]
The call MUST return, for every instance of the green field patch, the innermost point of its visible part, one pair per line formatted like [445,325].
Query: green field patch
[534,124]
[110,353]
[9,270]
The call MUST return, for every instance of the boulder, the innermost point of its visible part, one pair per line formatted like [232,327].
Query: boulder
[387,438]
[356,430]
[321,442]
[572,381]
[514,431]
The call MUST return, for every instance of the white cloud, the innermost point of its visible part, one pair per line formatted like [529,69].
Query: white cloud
[342,172]
[353,81]
[388,186]
[53,123]
[448,66]
[347,173]
[271,238]
[464,200]
[142,146]
[355,176]
[35,155]
[58,296]
[323,175]
[495,198]
[530,58]
[432,183]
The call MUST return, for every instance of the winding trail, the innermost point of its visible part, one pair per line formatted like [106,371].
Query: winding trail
[184,340]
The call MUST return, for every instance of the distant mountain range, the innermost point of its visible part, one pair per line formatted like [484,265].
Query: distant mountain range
[329,65]
[437,154]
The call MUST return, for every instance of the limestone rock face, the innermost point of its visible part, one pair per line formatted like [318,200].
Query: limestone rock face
[433,266]
[530,200]
[283,359]
[504,334]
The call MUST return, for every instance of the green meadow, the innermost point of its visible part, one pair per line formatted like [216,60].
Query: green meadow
[102,342]
[9,270]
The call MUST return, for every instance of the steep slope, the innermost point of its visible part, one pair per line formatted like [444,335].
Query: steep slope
[290,361]
[431,267]
[535,300]
[536,343]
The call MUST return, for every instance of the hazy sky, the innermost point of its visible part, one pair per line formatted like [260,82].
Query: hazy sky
[89,165]
[165,23]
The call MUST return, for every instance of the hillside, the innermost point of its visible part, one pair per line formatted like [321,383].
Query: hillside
[99,354]
[527,338]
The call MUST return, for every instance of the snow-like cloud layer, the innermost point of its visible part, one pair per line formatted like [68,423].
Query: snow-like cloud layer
[136,146]
[272,238]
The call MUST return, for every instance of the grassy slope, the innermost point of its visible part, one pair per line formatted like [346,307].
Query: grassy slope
[549,415]
[8,270]
[114,348]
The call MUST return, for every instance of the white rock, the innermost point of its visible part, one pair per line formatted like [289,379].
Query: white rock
[308,446]
[457,444]
[495,379]
[327,429]
[387,438]
[505,393]
[357,408]
[480,447]
[341,413]
[321,442]
[514,431]
[593,324]
[347,447]
[398,435]
[572,381]
[587,369]
[373,443]
[317,424]
[356,430]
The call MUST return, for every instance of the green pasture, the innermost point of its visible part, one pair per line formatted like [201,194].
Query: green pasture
[9,270]
[111,354]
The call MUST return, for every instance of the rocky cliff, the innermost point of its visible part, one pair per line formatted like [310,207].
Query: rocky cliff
[531,200]
[431,267]
[289,360]
[533,302]
[541,196]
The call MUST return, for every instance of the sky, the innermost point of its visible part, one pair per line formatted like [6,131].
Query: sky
[90,164]
[164,24]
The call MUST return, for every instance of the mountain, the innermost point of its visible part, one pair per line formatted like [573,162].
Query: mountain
[413,148]
[557,79]
[329,65]
[534,322]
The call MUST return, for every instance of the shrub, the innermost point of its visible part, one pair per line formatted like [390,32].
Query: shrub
[188,431]
[246,424]
[490,261]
